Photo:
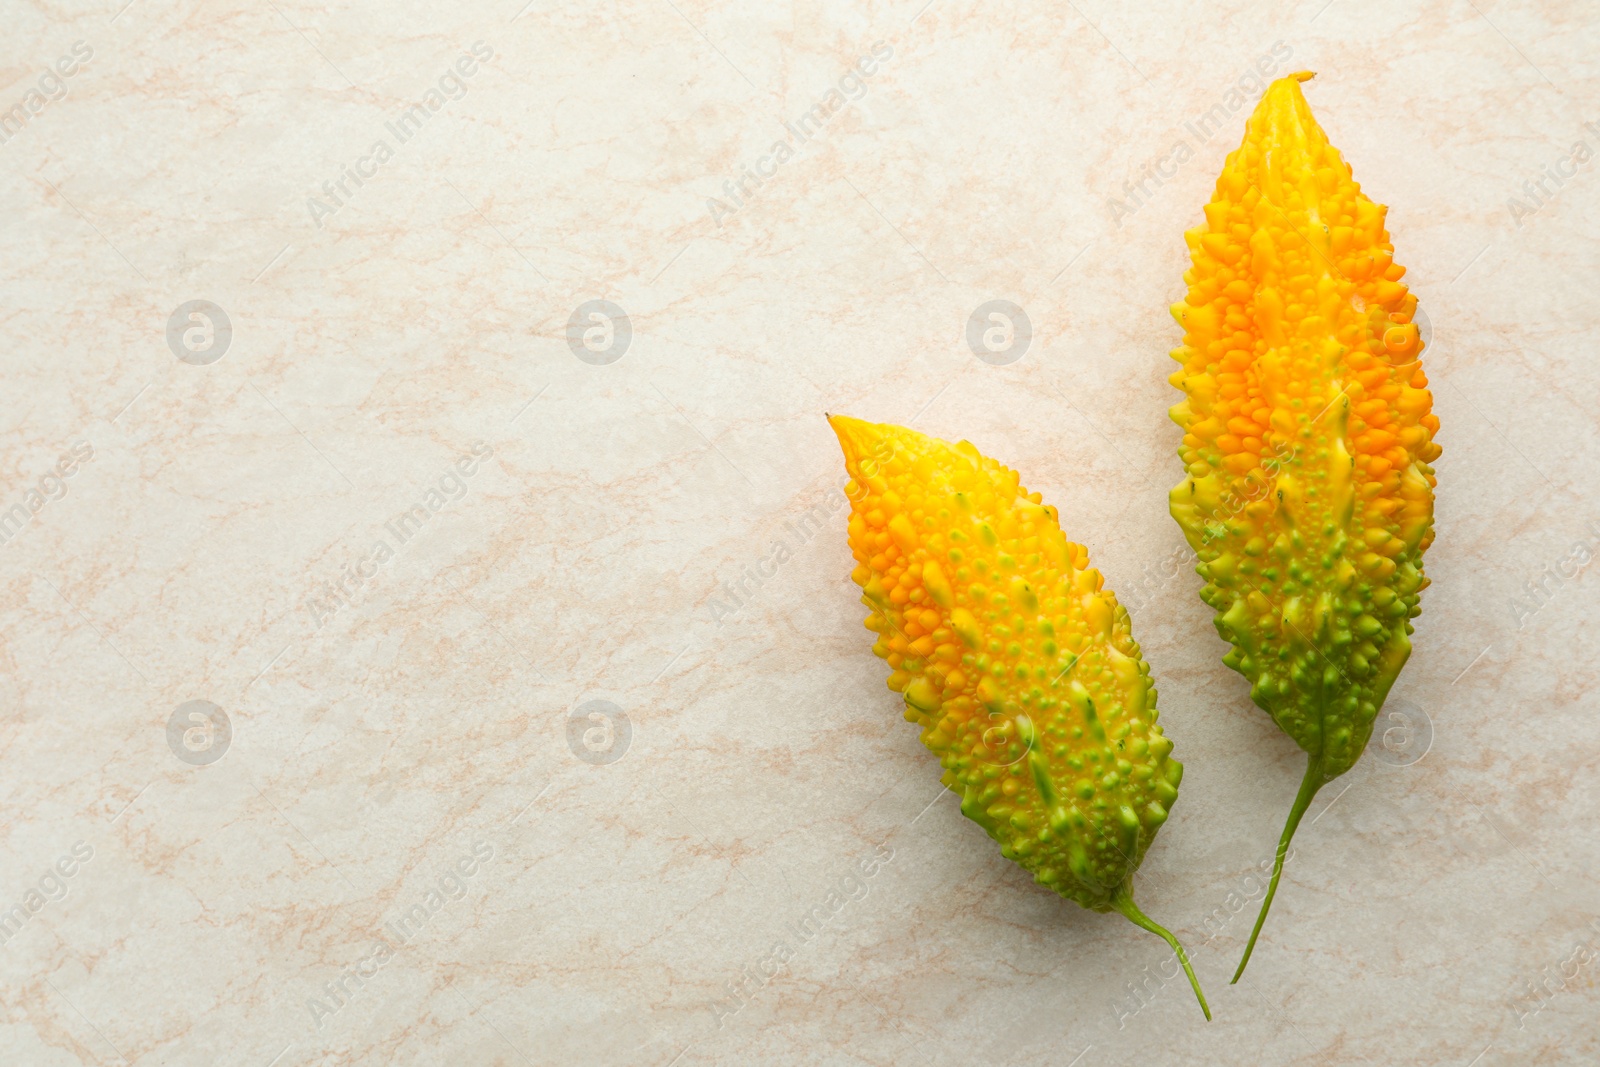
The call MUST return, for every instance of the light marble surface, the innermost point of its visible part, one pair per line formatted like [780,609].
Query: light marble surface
[379,737]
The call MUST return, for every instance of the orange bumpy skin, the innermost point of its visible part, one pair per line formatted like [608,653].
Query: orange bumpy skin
[1308,432]
[1018,666]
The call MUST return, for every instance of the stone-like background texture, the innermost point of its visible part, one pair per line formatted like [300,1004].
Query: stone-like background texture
[393,674]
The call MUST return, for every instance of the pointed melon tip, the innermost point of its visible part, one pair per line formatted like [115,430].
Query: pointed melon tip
[855,436]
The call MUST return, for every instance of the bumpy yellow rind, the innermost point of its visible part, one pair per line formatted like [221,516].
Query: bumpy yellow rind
[1016,662]
[1020,668]
[1308,439]
[1308,432]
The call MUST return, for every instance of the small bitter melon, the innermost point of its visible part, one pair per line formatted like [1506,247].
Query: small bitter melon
[1015,661]
[1308,439]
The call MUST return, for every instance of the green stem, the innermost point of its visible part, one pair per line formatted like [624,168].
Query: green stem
[1308,789]
[1122,901]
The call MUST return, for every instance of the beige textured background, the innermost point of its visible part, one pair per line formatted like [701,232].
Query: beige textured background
[377,740]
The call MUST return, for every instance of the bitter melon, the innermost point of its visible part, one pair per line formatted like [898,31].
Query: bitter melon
[1308,439]
[1020,668]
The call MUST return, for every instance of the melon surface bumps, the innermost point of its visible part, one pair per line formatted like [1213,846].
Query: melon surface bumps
[1308,437]
[1017,664]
